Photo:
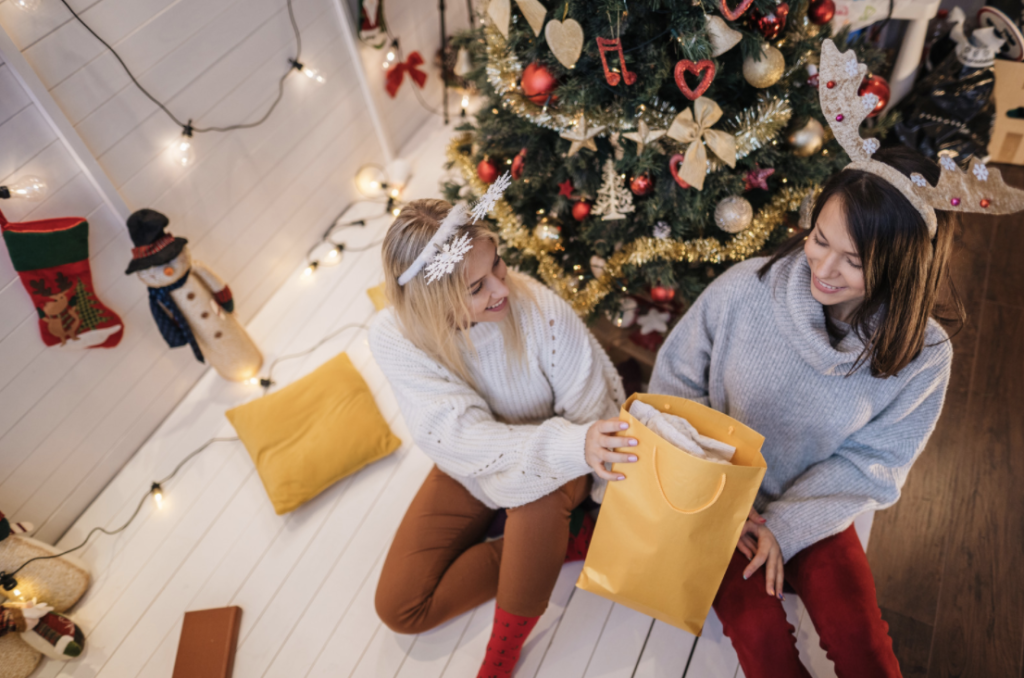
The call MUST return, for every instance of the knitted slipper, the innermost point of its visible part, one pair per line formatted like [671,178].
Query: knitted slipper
[59,581]
[17,660]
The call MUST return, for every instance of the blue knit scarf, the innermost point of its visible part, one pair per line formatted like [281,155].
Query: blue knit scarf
[174,327]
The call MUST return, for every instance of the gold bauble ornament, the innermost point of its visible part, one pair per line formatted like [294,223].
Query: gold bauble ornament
[767,71]
[807,140]
[734,214]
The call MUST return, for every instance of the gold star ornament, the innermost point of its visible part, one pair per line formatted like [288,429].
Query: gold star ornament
[582,136]
[644,135]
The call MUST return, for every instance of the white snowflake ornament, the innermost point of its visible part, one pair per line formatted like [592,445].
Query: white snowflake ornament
[947,163]
[981,172]
[444,261]
[486,203]
[918,180]
[871,145]
[654,321]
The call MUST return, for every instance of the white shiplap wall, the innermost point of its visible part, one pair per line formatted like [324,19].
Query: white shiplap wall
[250,206]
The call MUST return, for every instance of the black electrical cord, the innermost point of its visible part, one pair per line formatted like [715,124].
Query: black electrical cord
[187,127]
[267,382]
[7,578]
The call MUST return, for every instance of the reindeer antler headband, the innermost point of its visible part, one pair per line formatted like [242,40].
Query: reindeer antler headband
[445,249]
[980,190]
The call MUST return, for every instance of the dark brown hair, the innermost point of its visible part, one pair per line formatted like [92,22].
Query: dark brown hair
[903,267]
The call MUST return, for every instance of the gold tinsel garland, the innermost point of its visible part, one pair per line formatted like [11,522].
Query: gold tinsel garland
[637,253]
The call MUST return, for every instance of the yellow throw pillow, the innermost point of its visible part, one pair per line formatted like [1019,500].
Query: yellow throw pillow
[313,432]
[378,296]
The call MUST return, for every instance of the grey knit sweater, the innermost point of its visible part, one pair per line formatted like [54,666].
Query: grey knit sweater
[835,445]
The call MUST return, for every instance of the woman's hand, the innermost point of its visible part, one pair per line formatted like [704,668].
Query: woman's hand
[600,443]
[758,544]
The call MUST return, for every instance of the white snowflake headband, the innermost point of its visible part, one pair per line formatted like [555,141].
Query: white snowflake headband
[445,248]
[839,78]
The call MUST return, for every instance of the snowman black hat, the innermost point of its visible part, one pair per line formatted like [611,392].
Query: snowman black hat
[153,246]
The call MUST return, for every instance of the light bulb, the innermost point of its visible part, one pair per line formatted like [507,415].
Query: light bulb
[183,152]
[254,381]
[391,56]
[158,497]
[370,181]
[394,192]
[313,75]
[17,593]
[396,211]
[26,188]
[26,5]
[309,269]
[465,102]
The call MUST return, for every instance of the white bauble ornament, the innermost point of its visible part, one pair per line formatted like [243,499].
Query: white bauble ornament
[767,71]
[734,214]
[547,231]
[626,315]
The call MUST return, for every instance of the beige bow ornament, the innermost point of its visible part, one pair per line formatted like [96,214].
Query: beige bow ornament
[694,128]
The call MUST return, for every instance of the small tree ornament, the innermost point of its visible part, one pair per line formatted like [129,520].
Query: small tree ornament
[614,201]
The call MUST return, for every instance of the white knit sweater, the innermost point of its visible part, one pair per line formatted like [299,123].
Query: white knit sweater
[521,435]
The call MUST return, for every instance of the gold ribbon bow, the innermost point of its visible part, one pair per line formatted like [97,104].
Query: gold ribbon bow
[690,127]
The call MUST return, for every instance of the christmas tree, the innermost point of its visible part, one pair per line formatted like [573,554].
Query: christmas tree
[707,113]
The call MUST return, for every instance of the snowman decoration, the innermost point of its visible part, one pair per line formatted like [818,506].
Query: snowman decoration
[190,303]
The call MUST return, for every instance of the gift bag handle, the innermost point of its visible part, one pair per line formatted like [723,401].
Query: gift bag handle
[661,488]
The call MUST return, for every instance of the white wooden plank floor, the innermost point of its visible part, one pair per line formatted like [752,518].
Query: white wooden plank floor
[305,581]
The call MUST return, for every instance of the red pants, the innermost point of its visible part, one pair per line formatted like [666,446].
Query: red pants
[834,582]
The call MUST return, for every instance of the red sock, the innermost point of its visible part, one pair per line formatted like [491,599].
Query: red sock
[507,638]
[579,542]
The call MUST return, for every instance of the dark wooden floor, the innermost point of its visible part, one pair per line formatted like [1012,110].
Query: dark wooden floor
[948,559]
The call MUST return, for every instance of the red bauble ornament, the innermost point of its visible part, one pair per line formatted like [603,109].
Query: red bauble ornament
[581,210]
[820,12]
[662,295]
[773,23]
[538,84]
[880,88]
[518,164]
[487,170]
[641,185]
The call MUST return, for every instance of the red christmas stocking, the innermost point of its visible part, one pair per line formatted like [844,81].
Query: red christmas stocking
[52,258]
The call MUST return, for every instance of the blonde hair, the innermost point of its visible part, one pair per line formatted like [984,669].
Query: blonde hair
[436,318]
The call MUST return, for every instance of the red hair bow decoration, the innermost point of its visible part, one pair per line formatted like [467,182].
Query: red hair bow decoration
[410,66]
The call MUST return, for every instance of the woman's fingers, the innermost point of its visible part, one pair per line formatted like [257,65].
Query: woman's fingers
[779,576]
[612,426]
[615,442]
[746,547]
[769,575]
[756,517]
[758,559]
[602,472]
[617,458]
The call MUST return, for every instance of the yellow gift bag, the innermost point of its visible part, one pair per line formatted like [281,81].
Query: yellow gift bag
[666,534]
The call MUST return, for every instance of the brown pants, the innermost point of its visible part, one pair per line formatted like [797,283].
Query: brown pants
[438,567]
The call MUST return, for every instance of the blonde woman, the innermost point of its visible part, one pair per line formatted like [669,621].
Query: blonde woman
[505,389]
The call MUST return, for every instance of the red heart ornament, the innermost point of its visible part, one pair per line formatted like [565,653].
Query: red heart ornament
[705,66]
[732,15]
[673,167]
